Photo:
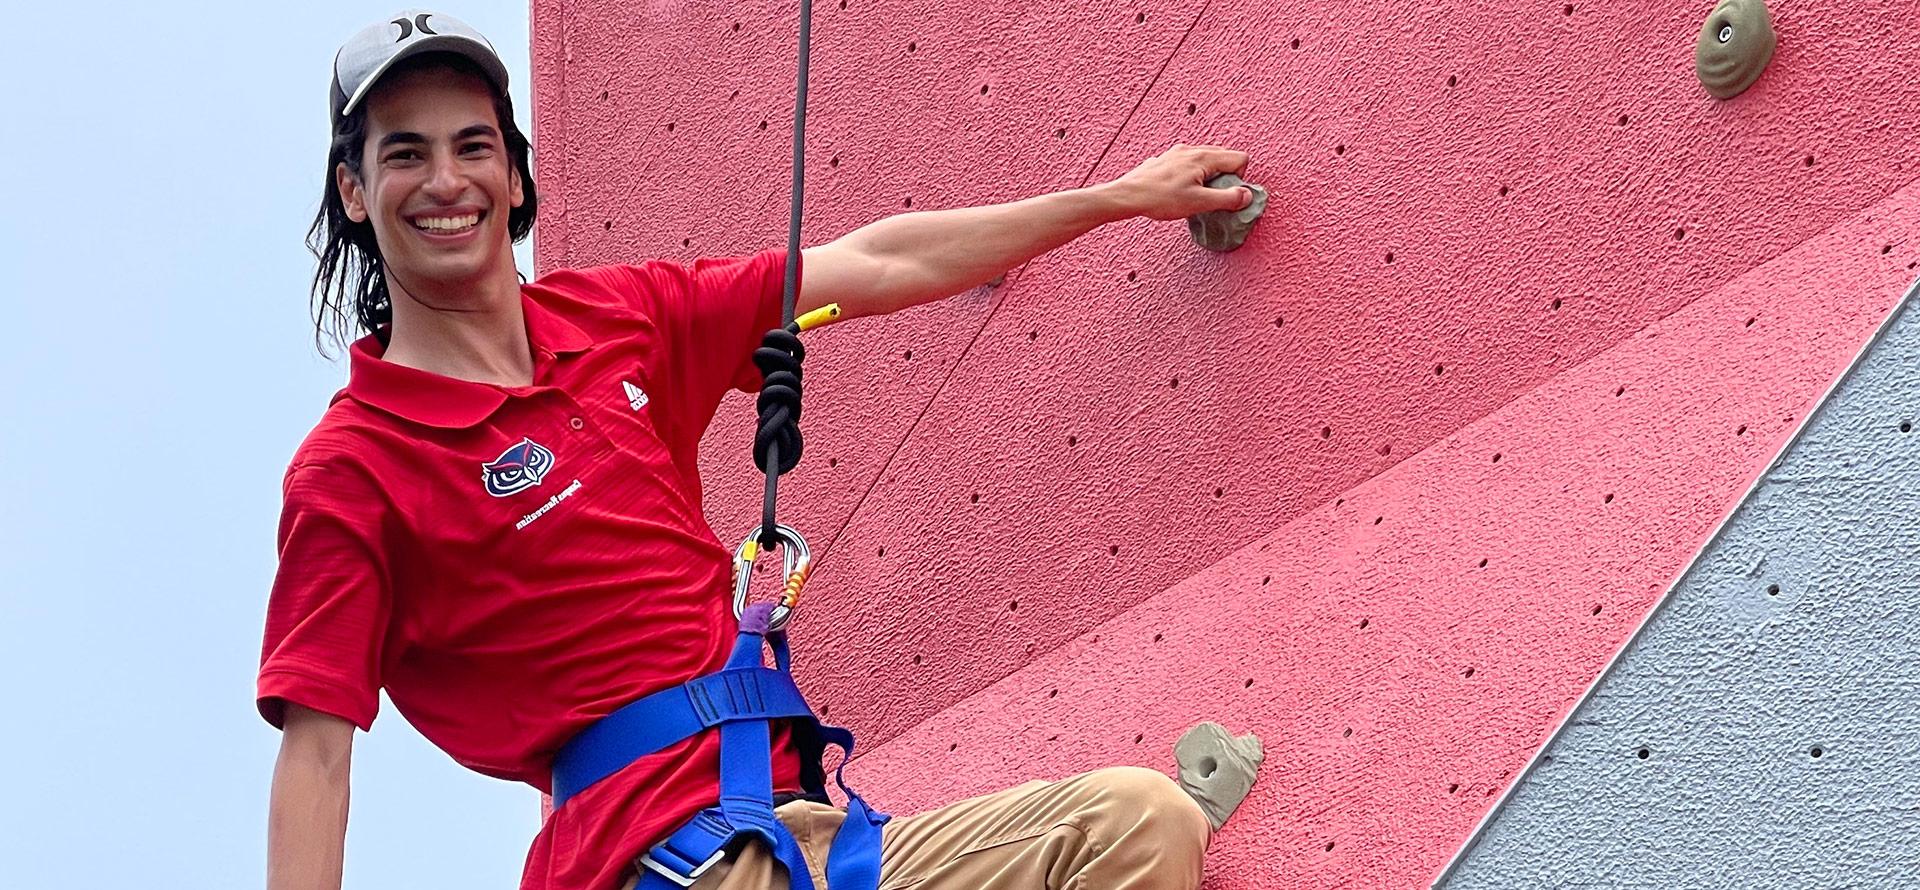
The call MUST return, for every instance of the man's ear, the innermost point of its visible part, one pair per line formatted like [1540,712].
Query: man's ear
[352,195]
[514,185]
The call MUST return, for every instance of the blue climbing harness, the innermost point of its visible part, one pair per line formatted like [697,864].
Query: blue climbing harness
[740,701]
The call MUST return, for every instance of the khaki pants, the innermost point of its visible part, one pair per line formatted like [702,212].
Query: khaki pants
[1123,828]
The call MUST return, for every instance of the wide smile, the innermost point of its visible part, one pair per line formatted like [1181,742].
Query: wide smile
[448,227]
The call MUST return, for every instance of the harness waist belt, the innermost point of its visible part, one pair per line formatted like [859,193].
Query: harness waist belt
[669,716]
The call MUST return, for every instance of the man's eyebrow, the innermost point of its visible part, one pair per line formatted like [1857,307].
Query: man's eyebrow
[401,136]
[476,130]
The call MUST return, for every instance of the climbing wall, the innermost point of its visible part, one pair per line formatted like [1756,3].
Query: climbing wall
[1778,686]
[1389,485]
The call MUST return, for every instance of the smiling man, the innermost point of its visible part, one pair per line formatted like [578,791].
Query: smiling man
[498,520]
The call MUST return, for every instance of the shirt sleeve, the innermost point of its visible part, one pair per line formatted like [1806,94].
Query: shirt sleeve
[328,613]
[710,316]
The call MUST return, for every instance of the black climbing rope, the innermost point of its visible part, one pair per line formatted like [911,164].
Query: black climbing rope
[777,443]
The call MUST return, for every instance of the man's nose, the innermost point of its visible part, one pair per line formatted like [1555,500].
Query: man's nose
[444,182]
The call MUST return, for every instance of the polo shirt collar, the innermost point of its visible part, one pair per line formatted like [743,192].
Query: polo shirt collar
[441,401]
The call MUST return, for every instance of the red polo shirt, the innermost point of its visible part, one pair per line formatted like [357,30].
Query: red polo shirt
[512,563]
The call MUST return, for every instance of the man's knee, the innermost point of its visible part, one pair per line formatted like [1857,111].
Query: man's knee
[1146,802]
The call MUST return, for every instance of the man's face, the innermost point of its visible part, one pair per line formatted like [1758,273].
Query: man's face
[436,180]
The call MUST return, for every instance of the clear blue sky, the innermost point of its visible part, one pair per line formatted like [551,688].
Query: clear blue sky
[163,162]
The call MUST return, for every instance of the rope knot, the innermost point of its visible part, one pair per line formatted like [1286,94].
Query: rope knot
[779,358]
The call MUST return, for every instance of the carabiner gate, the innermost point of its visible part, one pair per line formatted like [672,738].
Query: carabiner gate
[798,565]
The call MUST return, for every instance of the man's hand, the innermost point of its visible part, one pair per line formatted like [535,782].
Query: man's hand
[1174,184]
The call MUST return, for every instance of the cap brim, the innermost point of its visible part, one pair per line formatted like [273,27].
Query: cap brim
[461,45]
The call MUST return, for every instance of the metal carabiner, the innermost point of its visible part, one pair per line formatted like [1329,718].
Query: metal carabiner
[797,566]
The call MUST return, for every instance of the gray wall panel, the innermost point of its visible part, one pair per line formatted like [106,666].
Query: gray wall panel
[1733,684]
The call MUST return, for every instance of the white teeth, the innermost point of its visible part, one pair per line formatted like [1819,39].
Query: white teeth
[446,223]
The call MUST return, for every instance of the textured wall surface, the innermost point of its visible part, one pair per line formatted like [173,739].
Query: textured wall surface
[1405,648]
[1456,219]
[1525,294]
[1763,729]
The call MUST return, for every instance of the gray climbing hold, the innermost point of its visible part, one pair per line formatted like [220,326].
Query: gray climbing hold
[1224,230]
[1216,769]
[1735,45]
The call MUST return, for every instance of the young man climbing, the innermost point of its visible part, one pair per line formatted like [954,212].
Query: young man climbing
[498,521]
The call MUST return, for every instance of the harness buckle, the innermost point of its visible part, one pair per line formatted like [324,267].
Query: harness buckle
[797,566]
[647,861]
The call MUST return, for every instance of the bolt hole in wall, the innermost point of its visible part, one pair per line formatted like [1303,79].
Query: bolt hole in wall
[1817,751]
[1773,590]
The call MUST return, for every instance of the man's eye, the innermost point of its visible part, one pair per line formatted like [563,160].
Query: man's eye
[475,147]
[404,155]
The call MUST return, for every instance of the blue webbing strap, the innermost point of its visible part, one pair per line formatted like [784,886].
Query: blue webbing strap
[741,699]
[670,715]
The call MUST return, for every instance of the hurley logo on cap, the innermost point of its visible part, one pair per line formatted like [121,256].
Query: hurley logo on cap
[419,22]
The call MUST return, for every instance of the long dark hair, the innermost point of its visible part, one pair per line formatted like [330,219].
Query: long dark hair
[350,286]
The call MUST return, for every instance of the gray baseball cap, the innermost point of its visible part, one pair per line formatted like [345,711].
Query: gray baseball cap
[378,47]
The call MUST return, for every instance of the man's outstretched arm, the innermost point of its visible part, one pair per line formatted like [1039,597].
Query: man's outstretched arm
[915,258]
[307,818]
